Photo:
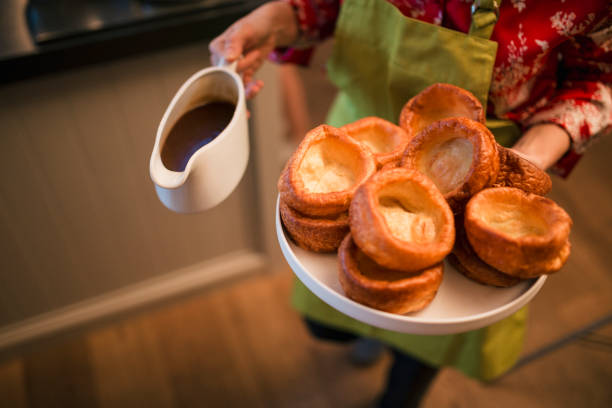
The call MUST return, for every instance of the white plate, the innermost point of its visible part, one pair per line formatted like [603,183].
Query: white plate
[460,304]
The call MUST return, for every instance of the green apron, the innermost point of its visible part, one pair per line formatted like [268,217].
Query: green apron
[380,60]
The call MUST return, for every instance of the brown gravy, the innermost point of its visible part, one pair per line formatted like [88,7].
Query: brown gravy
[193,130]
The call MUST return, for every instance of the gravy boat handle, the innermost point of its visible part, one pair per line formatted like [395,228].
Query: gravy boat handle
[230,66]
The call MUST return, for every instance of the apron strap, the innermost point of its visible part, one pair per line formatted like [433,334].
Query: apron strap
[484,16]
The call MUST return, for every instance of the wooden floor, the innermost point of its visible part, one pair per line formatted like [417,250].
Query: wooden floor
[241,344]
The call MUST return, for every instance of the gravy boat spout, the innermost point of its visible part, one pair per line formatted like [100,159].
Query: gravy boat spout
[214,170]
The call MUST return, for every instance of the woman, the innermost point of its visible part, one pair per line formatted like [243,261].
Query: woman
[544,73]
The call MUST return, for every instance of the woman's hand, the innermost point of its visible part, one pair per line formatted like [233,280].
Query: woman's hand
[543,144]
[254,36]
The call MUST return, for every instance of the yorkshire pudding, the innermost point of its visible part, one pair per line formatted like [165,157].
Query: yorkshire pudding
[400,220]
[465,260]
[514,171]
[458,155]
[386,140]
[323,173]
[384,289]
[436,102]
[315,234]
[521,234]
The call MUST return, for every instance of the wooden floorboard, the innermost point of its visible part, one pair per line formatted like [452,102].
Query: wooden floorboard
[12,384]
[60,375]
[242,345]
[129,367]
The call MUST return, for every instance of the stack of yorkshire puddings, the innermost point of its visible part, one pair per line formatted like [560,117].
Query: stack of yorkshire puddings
[395,201]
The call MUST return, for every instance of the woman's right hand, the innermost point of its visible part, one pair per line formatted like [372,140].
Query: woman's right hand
[253,37]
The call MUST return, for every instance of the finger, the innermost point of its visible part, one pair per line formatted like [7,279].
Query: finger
[247,76]
[253,88]
[247,79]
[251,70]
[215,44]
[248,61]
[216,49]
[251,91]
[215,59]
[229,44]
[248,73]
[235,42]
[256,65]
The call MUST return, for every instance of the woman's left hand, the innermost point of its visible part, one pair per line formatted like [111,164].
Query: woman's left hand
[543,144]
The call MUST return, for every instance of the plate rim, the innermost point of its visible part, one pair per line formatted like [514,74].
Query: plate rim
[392,321]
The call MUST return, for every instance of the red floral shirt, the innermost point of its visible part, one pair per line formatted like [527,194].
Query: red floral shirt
[553,63]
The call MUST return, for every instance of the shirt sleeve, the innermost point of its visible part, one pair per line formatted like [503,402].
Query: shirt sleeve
[582,103]
[316,21]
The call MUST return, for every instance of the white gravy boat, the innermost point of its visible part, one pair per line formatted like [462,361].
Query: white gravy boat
[216,168]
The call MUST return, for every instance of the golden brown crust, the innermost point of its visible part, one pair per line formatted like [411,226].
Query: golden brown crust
[514,171]
[323,173]
[436,102]
[458,154]
[400,220]
[384,289]
[386,140]
[521,234]
[314,234]
[389,166]
[465,260]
